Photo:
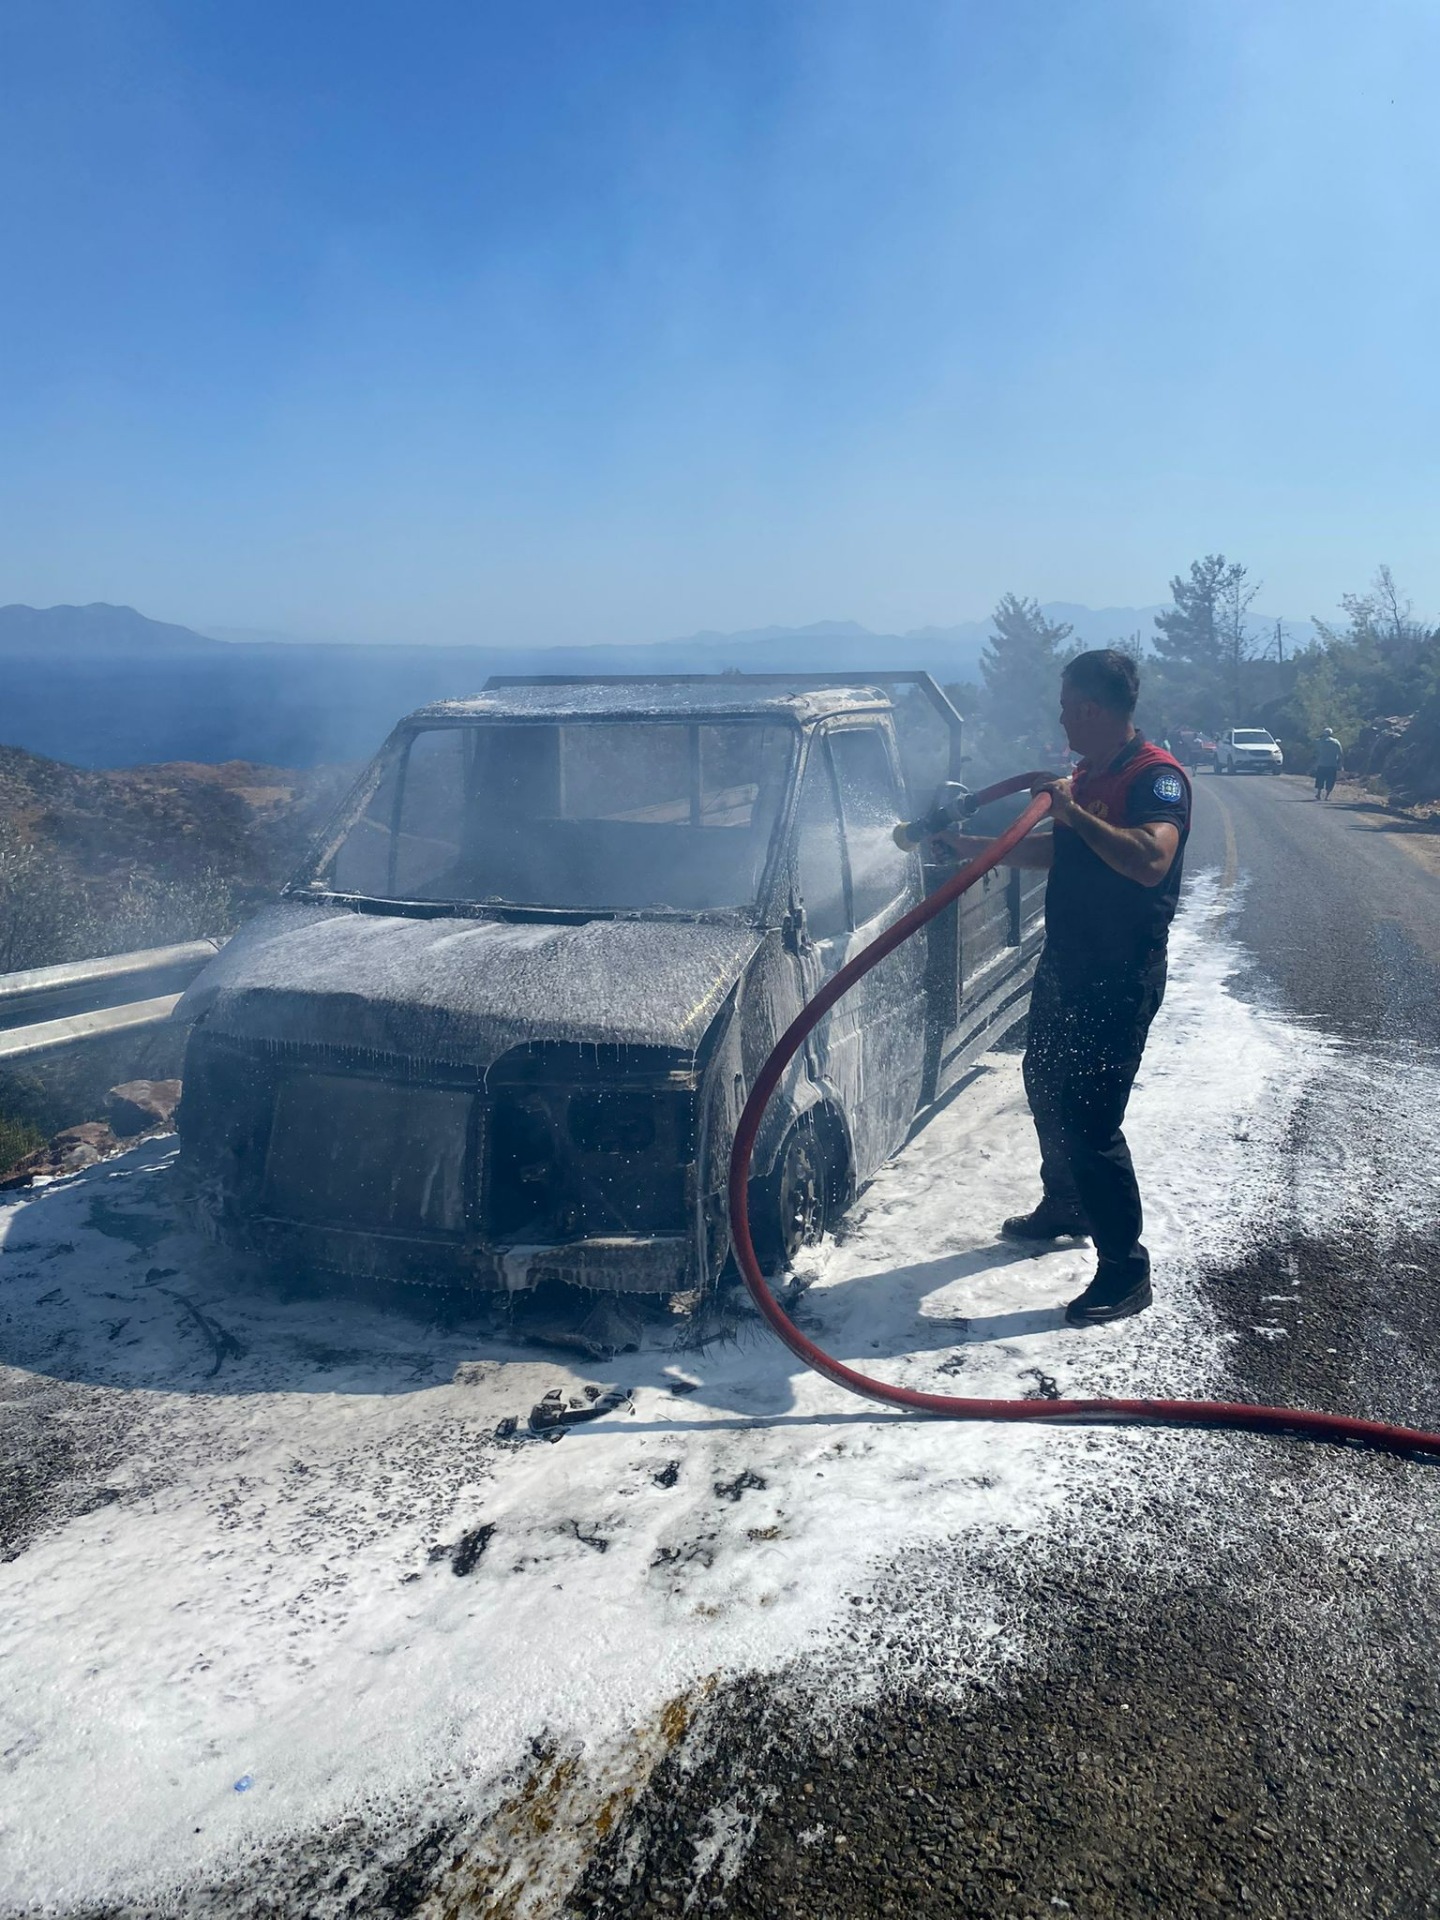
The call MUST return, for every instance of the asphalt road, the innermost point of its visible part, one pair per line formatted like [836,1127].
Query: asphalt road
[1339,902]
[1237,1711]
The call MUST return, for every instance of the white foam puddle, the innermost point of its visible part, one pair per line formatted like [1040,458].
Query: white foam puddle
[259,1604]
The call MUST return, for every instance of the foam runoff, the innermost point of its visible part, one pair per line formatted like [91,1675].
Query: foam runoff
[269,1597]
[1372,1128]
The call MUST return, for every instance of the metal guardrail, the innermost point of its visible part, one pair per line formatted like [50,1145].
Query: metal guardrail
[47,1008]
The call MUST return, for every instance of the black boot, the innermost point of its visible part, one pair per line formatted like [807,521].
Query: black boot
[1114,1294]
[1047,1222]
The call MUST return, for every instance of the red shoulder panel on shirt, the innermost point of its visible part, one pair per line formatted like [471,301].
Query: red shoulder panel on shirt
[1106,793]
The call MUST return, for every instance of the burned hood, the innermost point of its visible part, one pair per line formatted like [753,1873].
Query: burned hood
[466,990]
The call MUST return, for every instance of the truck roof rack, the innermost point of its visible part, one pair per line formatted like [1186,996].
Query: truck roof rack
[906,677]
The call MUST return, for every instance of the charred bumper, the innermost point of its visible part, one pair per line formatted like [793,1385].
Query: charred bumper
[635,1263]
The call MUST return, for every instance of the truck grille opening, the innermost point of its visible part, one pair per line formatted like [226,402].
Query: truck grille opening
[368,1154]
[589,1140]
[613,1122]
[525,1184]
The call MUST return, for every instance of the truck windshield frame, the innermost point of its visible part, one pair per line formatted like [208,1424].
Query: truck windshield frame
[583,817]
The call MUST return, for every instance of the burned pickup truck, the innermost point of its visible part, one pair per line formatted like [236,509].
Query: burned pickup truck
[500,1028]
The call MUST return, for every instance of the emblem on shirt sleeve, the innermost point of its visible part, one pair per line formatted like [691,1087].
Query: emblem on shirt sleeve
[1170,787]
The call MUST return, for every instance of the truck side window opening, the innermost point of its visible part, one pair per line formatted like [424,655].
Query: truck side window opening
[426,835]
[819,864]
[409,833]
[361,862]
[871,803]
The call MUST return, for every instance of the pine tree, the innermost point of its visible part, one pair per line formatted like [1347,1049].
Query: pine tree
[1189,632]
[1202,639]
[1021,671]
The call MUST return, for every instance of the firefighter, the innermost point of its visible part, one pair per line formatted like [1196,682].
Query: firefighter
[1114,859]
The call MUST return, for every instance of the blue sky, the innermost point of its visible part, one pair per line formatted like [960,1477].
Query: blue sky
[571,320]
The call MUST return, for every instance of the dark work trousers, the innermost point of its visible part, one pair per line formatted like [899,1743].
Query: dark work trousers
[1083,1051]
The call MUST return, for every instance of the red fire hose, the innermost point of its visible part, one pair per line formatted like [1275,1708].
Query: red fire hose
[1238,1415]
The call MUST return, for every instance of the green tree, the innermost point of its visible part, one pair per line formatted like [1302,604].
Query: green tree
[1379,661]
[1020,669]
[1323,697]
[1188,632]
[1202,642]
[1388,656]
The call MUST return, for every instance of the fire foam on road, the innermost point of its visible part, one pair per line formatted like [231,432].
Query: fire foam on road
[262,1629]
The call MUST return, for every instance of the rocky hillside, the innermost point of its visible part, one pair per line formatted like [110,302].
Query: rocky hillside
[97,862]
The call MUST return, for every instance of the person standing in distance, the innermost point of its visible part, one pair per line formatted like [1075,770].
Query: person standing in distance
[1115,858]
[1329,757]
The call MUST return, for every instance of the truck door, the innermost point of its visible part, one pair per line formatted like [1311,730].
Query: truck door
[882,882]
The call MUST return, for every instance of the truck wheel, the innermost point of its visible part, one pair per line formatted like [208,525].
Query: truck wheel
[792,1204]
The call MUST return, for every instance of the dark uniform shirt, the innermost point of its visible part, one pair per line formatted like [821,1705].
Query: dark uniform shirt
[1099,926]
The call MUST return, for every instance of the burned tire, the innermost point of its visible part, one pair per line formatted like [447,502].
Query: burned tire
[791,1207]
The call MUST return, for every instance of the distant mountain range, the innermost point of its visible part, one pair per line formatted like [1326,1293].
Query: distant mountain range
[102,628]
[96,628]
[839,639]
[104,686]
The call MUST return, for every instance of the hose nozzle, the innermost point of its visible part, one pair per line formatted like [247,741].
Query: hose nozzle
[952,804]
